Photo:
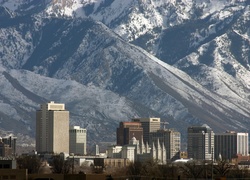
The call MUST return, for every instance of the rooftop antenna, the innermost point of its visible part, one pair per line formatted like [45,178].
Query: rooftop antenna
[164,123]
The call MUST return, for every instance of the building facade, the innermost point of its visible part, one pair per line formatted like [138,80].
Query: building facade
[78,140]
[200,142]
[229,144]
[138,151]
[52,128]
[5,149]
[171,140]
[149,125]
[11,141]
[128,130]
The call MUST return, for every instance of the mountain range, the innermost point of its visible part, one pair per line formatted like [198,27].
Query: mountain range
[185,61]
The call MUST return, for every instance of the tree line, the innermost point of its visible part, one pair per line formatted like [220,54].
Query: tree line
[191,169]
[137,170]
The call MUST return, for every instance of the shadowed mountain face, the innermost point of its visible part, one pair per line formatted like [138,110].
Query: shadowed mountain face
[196,69]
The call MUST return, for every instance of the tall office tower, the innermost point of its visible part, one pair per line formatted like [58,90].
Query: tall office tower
[171,140]
[11,141]
[52,128]
[128,130]
[77,140]
[148,125]
[200,143]
[229,144]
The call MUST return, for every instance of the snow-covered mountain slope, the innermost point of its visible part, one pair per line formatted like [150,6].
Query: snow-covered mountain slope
[96,109]
[173,30]
[99,71]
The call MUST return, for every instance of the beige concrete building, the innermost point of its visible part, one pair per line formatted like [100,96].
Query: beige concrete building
[77,140]
[148,125]
[52,128]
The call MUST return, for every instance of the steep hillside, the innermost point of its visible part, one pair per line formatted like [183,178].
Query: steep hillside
[109,61]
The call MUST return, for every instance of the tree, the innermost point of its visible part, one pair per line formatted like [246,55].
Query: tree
[222,168]
[169,170]
[151,169]
[239,173]
[192,169]
[134,168]
[31,163]
[60,166]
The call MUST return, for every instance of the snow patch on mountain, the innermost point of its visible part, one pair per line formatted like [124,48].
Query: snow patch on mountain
[13,40]
[13,5]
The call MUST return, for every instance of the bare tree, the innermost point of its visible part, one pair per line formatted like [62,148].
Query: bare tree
[32,163]
[151,169]
[192,169]
[134,168]
[60,166]
[239,173]
[169,170]
[222,168]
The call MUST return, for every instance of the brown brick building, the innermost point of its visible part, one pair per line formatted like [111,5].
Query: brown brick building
[128,130]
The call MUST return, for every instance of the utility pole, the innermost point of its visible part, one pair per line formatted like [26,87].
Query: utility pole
[212,163]
[73,163]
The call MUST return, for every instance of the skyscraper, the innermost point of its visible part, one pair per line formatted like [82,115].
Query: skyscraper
[127,130]
[52,128]
[200,142]
[171,140]
[148,125]
[229,144]
[77,140]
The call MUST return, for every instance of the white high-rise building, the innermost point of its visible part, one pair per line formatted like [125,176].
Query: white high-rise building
[77,140]
[52,128]
[229,144]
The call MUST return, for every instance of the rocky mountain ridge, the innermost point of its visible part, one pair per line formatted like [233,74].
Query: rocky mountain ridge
[178,60]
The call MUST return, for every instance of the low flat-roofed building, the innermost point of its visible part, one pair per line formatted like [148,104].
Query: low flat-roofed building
[111,162]
[7,164]
[183,155]
[116,162]
[17,174]
[239,158]
[114,151]
[66,177]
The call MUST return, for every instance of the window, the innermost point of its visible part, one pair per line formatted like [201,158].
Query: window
[12,177]
[5,177]
[6,166]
